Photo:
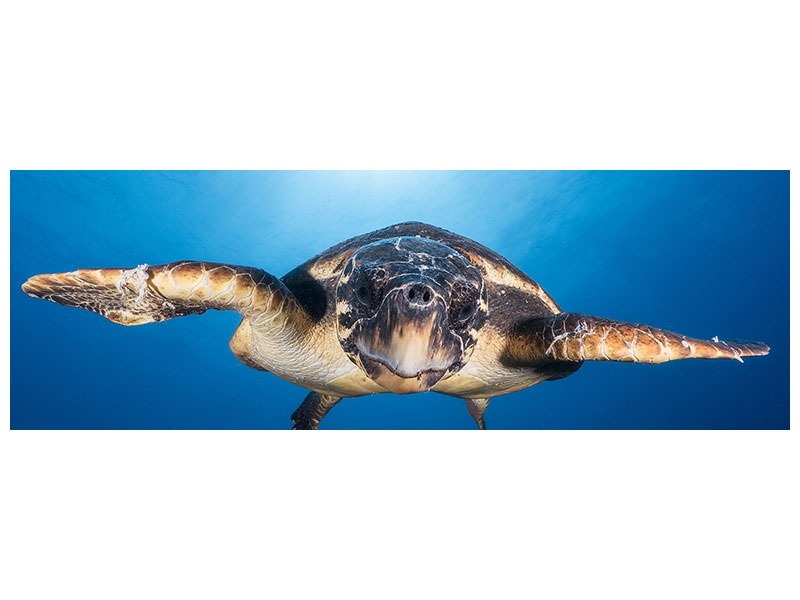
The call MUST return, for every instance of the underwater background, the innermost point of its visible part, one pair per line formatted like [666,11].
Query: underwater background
[698,253]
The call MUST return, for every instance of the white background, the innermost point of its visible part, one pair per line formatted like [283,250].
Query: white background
[640,514]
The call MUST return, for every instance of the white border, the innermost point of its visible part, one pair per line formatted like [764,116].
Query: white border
[397,514]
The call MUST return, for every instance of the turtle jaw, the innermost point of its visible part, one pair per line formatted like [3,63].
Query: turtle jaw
[405,348]
[390,380]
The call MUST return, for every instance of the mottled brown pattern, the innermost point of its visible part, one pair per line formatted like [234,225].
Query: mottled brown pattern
[151,294]
[499,273]
[576,337]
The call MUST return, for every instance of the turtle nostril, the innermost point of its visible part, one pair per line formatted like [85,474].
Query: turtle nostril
[419,294]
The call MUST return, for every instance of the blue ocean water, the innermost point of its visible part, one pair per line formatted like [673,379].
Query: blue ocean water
[699,253]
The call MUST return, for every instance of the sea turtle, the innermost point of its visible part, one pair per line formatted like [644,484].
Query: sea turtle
[404,309]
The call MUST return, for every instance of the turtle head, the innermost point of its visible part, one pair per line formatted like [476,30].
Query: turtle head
[408,312]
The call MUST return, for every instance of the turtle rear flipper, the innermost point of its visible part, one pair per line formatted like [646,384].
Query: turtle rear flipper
[313,409]
[476,408]
[575,337]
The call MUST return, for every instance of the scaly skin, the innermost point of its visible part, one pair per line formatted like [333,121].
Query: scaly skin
[313,410]
[576,337]
[151,294]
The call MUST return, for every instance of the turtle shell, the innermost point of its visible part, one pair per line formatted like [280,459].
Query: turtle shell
[511,293]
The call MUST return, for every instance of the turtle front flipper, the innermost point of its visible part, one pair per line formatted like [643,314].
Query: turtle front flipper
[576,337]
[152,294]
[149,294]
[313,410]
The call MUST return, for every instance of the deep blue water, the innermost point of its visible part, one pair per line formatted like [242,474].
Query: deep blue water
[700,253]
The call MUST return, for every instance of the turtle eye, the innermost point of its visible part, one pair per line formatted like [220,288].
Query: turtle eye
[362,293]
[463,306]
[466,311]
[368,288]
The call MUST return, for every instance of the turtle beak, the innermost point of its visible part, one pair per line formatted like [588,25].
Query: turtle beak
[407,346]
